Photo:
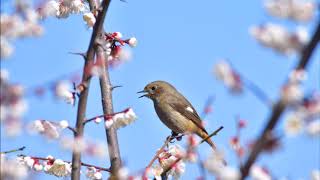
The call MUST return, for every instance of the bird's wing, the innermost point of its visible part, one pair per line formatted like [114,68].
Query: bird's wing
[184,107]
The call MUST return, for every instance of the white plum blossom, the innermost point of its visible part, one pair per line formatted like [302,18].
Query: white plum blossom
[315,174]
[133,42]
[89,19]
[279,39]
[77,6]
[51,8]
[15,26]
[258,173]
[178,169]
[97,120]
[313,128]
[63,8]
[93,174]
[121,119]
[176,150]
[293,124]
[298,10]
[64,124]
[156,171]
[297,76]
[45,128]
[13,105]
[6,48]
[123,173]
[38,167]
[62,91]
[12,168]
[59,168]
[108,123]
[292,93]
[215,163]
[168,159]
[224,72]
[117,35]
[125,54]
[229,173]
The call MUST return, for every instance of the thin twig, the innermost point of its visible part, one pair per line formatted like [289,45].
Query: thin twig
[257,91]
[212,134]
[83,164]
[279,107]
[14,150]
[84,55]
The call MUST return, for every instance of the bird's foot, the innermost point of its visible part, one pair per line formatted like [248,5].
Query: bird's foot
[177,136]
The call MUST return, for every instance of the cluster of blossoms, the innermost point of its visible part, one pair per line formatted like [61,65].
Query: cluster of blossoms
[280,39]
[13,105]
[168,160]
[91,148]
[116,53]
[62,91]
[50,165]
[114,44]
[49,129]
[12,168]
[23,23]
[304,116]
[93,173]
[291,92]
[117,120]
[224,72]
[62,8]
[297,10]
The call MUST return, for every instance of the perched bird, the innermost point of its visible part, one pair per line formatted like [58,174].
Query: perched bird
[174,110]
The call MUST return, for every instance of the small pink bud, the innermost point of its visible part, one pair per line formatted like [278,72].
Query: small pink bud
[133,42]
[97,120]
[117,35]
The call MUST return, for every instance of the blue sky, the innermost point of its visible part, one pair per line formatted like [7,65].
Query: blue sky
[179,42]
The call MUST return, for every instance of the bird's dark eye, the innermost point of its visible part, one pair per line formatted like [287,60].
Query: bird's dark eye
[153,88]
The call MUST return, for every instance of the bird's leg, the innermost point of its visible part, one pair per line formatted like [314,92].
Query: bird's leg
[176,136]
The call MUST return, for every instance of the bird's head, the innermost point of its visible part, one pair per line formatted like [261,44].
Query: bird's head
[157,89]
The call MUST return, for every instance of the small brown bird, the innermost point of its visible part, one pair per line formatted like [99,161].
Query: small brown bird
[174,110]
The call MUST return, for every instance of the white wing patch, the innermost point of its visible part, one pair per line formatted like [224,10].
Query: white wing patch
[189,109]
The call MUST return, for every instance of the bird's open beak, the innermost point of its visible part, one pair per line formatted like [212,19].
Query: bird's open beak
[143,91]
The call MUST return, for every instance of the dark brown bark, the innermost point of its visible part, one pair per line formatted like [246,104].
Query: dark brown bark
[82,104]
[106,96]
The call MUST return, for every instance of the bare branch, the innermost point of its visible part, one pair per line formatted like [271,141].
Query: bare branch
[278,108]
[14,150]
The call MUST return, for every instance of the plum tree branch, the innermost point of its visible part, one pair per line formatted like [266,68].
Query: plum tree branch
[106,95]
[278,107]
[82,104]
